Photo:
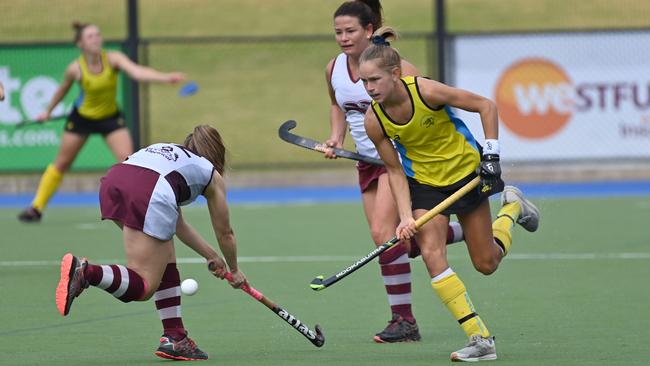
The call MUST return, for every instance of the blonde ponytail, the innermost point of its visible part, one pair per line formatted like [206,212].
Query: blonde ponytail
[380,50]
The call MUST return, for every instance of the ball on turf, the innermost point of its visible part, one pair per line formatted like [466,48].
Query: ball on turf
[189,287]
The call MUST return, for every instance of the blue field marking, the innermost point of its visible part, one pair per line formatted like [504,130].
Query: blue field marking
[310,195]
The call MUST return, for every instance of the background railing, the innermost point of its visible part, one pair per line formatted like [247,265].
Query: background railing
[260,63]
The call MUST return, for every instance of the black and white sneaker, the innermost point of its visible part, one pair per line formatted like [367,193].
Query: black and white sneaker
[30,215]
[398,330]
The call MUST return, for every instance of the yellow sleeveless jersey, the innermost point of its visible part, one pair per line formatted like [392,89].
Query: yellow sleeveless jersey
[435,146]
[98,91]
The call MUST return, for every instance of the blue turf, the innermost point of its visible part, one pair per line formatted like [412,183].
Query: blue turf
[293,195]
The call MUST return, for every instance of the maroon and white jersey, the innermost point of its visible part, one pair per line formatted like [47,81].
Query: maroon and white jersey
[186,173]
[353,99]
[145,191]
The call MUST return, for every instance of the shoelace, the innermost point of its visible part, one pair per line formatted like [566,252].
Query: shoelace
[393,323]
[191,343]
[474,340]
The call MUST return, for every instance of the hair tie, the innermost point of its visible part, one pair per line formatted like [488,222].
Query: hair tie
[379,41]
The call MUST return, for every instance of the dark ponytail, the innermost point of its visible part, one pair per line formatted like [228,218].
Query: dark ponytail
[367,11]
[78,28]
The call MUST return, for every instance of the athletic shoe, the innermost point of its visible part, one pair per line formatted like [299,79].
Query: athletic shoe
[30,214]
[478,349]
[529,216]
[72,282]
[398,330]
[183,350]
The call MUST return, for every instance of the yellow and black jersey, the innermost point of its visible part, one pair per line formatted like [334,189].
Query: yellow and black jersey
[436,147]
[97,99]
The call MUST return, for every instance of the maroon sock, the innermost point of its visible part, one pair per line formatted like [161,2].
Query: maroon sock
[396,273]
[117,280]
[168,303]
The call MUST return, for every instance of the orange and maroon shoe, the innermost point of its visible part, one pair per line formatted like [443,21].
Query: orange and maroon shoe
[72,282]
[182,350]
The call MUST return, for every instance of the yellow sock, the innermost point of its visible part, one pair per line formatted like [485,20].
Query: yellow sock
[502,226]
[49,183]
[453,294]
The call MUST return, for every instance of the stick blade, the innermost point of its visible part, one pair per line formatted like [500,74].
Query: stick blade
[317,283]
[287,126]
[320,336]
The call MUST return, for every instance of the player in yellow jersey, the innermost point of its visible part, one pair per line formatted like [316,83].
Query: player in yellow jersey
[438,156]
[95,110]
[354,23]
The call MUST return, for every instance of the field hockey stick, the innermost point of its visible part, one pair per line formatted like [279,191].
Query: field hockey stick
[320,283]
[317,338]
[308,143]
[30,122]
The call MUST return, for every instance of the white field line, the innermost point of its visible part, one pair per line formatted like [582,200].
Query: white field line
[325,258]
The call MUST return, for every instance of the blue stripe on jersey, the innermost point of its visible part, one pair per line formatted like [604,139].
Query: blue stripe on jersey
[80,99]
[462,128]
[407,164]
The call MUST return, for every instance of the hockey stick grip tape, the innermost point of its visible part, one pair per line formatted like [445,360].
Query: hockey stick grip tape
[246,288]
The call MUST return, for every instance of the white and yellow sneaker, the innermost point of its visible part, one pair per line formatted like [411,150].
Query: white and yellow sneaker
[477,349]
[529,215]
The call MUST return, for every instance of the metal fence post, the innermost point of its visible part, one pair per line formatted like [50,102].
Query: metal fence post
[441,33]
[132,42]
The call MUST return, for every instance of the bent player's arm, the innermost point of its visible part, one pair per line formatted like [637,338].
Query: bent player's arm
[72,73]
[215,194]
[190,237]
[337,115]
[435,93]
[387,152]
[142,73]
[2,92]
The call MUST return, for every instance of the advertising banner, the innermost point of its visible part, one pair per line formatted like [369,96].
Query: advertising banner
[31,76]
[571,96]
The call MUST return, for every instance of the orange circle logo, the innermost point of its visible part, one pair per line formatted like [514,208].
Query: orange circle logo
[535,98]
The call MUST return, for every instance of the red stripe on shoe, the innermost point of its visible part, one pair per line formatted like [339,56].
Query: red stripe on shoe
[177,358]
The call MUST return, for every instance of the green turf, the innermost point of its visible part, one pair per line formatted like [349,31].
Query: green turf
[586,308]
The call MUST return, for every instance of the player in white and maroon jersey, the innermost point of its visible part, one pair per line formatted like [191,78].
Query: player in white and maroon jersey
[143,196]
[354,23]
